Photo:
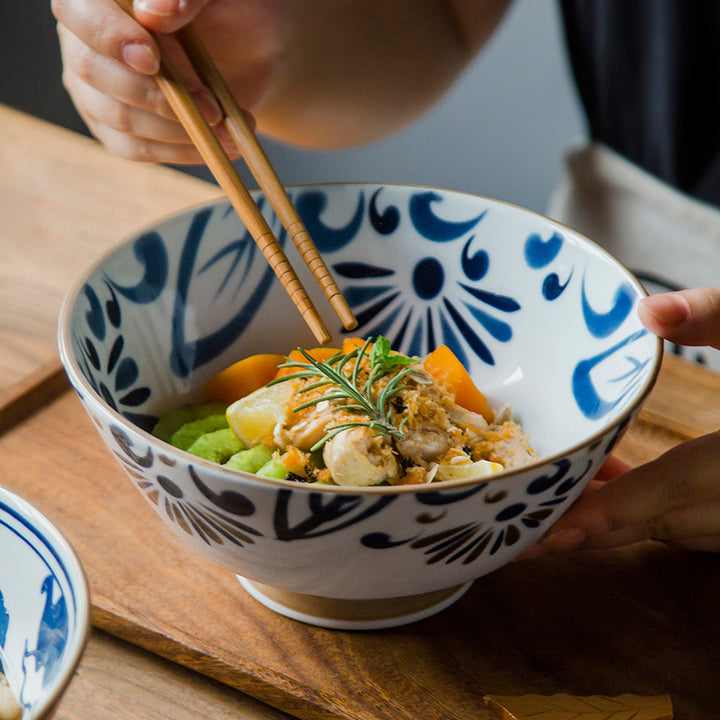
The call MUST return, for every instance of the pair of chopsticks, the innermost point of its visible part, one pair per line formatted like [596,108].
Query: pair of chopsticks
[215,157]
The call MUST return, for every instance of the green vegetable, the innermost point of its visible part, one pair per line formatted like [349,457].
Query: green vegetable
[382,358]
[171,421]
[188,433]
[217,446]
[273,469]
[250,460]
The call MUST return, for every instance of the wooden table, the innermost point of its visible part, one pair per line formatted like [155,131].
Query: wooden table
[176,637]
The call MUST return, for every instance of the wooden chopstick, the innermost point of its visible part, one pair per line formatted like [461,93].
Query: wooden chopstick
[212,152]
[263,170]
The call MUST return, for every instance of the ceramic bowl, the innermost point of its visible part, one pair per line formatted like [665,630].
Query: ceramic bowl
[44,607]
[543,318]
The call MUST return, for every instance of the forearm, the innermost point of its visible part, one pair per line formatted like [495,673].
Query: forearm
[354,72]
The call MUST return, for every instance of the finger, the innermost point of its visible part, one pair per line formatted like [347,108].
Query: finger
[685,476]
[687,317]
[143,149]
[105,28]
[134,147]
[83,64]
[128,89]
[167,16]
[594,484]
[103,110]
[696,528]
[611,468]
[708,543]
[126,86]
[573,537]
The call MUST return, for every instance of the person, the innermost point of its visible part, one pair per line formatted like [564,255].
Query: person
[331,75]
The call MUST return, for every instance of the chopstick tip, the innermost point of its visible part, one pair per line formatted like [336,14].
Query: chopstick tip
[317,327]
[343,311]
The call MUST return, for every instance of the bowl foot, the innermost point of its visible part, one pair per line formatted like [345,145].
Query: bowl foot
[343,614]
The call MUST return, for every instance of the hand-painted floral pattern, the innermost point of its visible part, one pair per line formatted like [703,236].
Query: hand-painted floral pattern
[40,604]
[540,255]
[303,516]
[540,318]
[216,520]
[504,527]
[415,305]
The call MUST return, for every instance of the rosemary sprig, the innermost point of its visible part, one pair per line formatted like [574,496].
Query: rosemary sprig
[345,389]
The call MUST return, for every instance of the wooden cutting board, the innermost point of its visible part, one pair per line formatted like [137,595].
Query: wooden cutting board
[64,202]
[641,620]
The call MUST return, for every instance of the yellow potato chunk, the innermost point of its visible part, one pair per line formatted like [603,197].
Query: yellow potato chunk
[463,471]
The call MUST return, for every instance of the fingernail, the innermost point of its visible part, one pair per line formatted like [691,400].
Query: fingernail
[140,57]
[564,539]
[162,8]
[669,309]
[208,106]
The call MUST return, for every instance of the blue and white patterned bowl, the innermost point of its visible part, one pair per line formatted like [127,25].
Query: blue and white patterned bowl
[44,607]
[543,318]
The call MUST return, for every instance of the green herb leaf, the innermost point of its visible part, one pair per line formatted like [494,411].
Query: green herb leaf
[346,391]
[382,357]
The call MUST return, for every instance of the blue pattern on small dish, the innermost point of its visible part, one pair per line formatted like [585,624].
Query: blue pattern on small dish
[44,607]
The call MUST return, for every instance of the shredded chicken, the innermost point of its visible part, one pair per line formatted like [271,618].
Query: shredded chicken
[357,457]
[434,433]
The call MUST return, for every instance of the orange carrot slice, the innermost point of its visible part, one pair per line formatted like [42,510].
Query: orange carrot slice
[318,353]
[242,377]
[444,366]
[352,343]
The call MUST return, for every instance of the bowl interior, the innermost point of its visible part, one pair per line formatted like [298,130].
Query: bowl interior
[44,606]
[543,318]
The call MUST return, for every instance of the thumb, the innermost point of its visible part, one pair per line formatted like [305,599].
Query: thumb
[686,317]
[166,16]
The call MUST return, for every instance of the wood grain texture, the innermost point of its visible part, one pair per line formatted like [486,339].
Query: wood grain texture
[64,201]
[572,707]
[640,619]
[118,680]
[34,390]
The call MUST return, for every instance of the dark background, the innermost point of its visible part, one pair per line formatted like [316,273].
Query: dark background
[30,61]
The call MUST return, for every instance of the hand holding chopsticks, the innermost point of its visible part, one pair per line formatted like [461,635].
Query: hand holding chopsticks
[219,163]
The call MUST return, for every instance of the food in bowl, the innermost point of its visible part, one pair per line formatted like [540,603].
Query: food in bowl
[359,415]
[543,319]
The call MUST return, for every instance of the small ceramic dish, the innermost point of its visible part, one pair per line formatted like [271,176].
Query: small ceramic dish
[44,607]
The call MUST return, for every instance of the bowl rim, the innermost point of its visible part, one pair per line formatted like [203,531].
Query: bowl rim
[30,513]
[77,378]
